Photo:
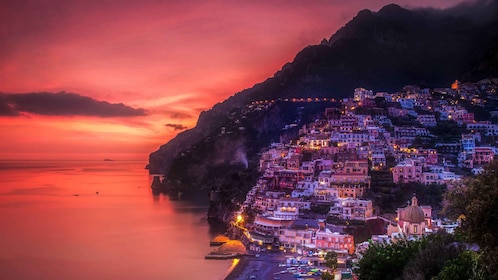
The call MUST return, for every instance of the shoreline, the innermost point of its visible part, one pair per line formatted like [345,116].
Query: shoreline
[234,270]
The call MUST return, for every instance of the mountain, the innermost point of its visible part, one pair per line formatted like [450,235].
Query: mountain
[382,51]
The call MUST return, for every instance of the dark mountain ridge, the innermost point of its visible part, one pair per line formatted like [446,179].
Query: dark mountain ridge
[382,51]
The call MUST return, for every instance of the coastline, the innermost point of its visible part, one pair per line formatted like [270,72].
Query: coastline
[234,271]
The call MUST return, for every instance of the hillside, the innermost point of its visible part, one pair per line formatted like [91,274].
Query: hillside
[382,51]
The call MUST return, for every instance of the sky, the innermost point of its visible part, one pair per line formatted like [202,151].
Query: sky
[116,79]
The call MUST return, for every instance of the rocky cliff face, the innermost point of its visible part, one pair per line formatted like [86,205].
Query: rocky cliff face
[382,51]
[208,123]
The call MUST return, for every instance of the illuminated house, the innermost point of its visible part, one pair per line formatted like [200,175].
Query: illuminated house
[486,127]
[325,178]
[409,170]
[324,194]
[468,142]
[430,155]
[351,179]
[348,123]
[299,233]
[482,156]
[266,201]
[396,112]
[410,132]
[287,179]
[323,164]
[293,161]
[327,240]
[431,178]
[427,120]
[304,189]
[270,226]
[378,157]
[297,202]
[352,209]
[426,157]
[360,94]
[353,138]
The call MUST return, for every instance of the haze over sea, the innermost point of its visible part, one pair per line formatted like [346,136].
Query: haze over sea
[123,232]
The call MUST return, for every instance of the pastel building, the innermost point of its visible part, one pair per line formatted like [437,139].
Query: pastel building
[483,155]
[299,233]
[407,171]
[327,240]
[427,120]
[352,209]
[351,179]
[360,94]
[270,226]
[468,142]
[322,194]
[304,189]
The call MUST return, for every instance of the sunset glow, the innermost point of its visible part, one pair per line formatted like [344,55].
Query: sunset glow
[156,64]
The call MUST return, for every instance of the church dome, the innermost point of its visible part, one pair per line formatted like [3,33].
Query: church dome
[413,213]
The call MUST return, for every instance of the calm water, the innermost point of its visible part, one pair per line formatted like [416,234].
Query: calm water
[123,232]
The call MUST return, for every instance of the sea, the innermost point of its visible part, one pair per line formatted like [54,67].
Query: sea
[99,220]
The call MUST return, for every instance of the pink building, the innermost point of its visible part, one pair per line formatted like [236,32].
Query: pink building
[351,179]
[483,156]
[409,170]
[327,240]
[430,156]
[468,118]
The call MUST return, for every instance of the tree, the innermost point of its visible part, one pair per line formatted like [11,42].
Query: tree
[455,201]
[478,201]
[331,260]
[447,131]
[330,263]
[322,209]
[386,261]
[327,276]
[467,266]
[434,252]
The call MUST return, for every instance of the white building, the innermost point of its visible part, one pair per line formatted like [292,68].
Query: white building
[352,209]
[304,189]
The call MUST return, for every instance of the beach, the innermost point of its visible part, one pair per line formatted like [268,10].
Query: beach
[266,265]
[237,269]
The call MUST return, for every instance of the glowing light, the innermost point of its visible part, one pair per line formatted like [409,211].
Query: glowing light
[234,263]
[455,85]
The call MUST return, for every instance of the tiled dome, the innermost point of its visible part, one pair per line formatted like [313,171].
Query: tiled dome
[413,213]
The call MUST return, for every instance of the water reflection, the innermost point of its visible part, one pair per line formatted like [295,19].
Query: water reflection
[118,233]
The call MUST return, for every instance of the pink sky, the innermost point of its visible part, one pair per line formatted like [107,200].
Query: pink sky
[173,59]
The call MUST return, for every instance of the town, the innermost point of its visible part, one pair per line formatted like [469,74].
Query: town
[321,191]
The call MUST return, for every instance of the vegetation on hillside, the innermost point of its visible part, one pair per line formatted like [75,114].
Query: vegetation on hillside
[472,253]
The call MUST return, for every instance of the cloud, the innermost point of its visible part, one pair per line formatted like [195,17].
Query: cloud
[5,108]
[63,104]
[477,10]
[178,115]
[176,126]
